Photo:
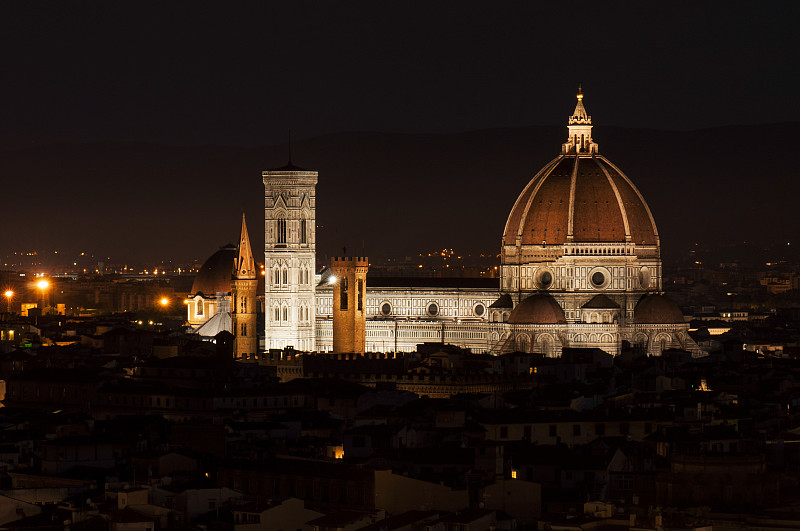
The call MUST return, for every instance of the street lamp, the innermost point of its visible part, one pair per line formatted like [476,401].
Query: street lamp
[164,302]
[9,294]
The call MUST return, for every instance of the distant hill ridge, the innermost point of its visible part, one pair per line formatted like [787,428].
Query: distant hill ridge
[392,193]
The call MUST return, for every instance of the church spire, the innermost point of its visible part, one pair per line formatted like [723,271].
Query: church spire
[244,264]
[580,130]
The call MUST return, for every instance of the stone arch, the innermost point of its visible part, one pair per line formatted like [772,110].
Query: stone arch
[640,340]
[523,343]
[545,344]
[662,341]
[606,338]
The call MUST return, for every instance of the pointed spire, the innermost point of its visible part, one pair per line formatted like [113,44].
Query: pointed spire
[580,116]
[244,264]
[580,130]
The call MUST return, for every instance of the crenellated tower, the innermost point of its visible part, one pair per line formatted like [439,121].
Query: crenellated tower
[244,297]
[349,307]
[289,253]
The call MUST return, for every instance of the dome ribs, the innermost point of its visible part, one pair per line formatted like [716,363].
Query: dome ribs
[620,202]
[597,216]
[571,217]
[641,224]
[545,217]
[511,234]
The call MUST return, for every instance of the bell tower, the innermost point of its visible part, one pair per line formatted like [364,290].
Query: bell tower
[244,300]
[289,257]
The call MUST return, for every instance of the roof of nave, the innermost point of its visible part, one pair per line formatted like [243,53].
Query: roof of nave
[429,282]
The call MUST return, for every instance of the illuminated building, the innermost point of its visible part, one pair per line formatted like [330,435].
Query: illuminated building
[580,267]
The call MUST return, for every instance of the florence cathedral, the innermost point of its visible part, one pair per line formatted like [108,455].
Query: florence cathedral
[580,267]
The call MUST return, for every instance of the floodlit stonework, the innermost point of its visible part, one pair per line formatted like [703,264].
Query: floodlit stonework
[289,257]
[580,267]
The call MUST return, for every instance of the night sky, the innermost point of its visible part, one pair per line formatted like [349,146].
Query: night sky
[241,74]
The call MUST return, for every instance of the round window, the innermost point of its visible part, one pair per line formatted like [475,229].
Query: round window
[433,309]
[386,308]
[545,279]
[598,278]
[479,310]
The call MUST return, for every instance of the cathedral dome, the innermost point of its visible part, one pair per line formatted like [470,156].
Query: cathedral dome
[580,197]
[540,308]
[215,275]
[657,309]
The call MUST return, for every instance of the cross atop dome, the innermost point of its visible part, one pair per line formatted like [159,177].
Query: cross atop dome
[580,131]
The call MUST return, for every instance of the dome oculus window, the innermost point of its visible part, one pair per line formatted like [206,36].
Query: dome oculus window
[479,310]
[433,309]
[386,309]
[544,279]
[599,278]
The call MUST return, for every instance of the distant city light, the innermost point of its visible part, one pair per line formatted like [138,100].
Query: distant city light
[43,284]
[164,301]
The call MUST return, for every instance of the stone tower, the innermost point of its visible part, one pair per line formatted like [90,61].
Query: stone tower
[244,299]
[289,256]
[349,303]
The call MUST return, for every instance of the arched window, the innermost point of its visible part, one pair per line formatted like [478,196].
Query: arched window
[281,230]
[243,305]
[244,329]
[199,307]
[276,276]
[285,276]
[303,230]
[277,312]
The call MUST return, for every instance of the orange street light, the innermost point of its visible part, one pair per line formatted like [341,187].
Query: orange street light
[9,294]
[164,301]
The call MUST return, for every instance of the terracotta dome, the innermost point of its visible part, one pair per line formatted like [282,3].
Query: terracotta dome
[215,275]
[580,197]
[540,308]
[657,309]
[585,199]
